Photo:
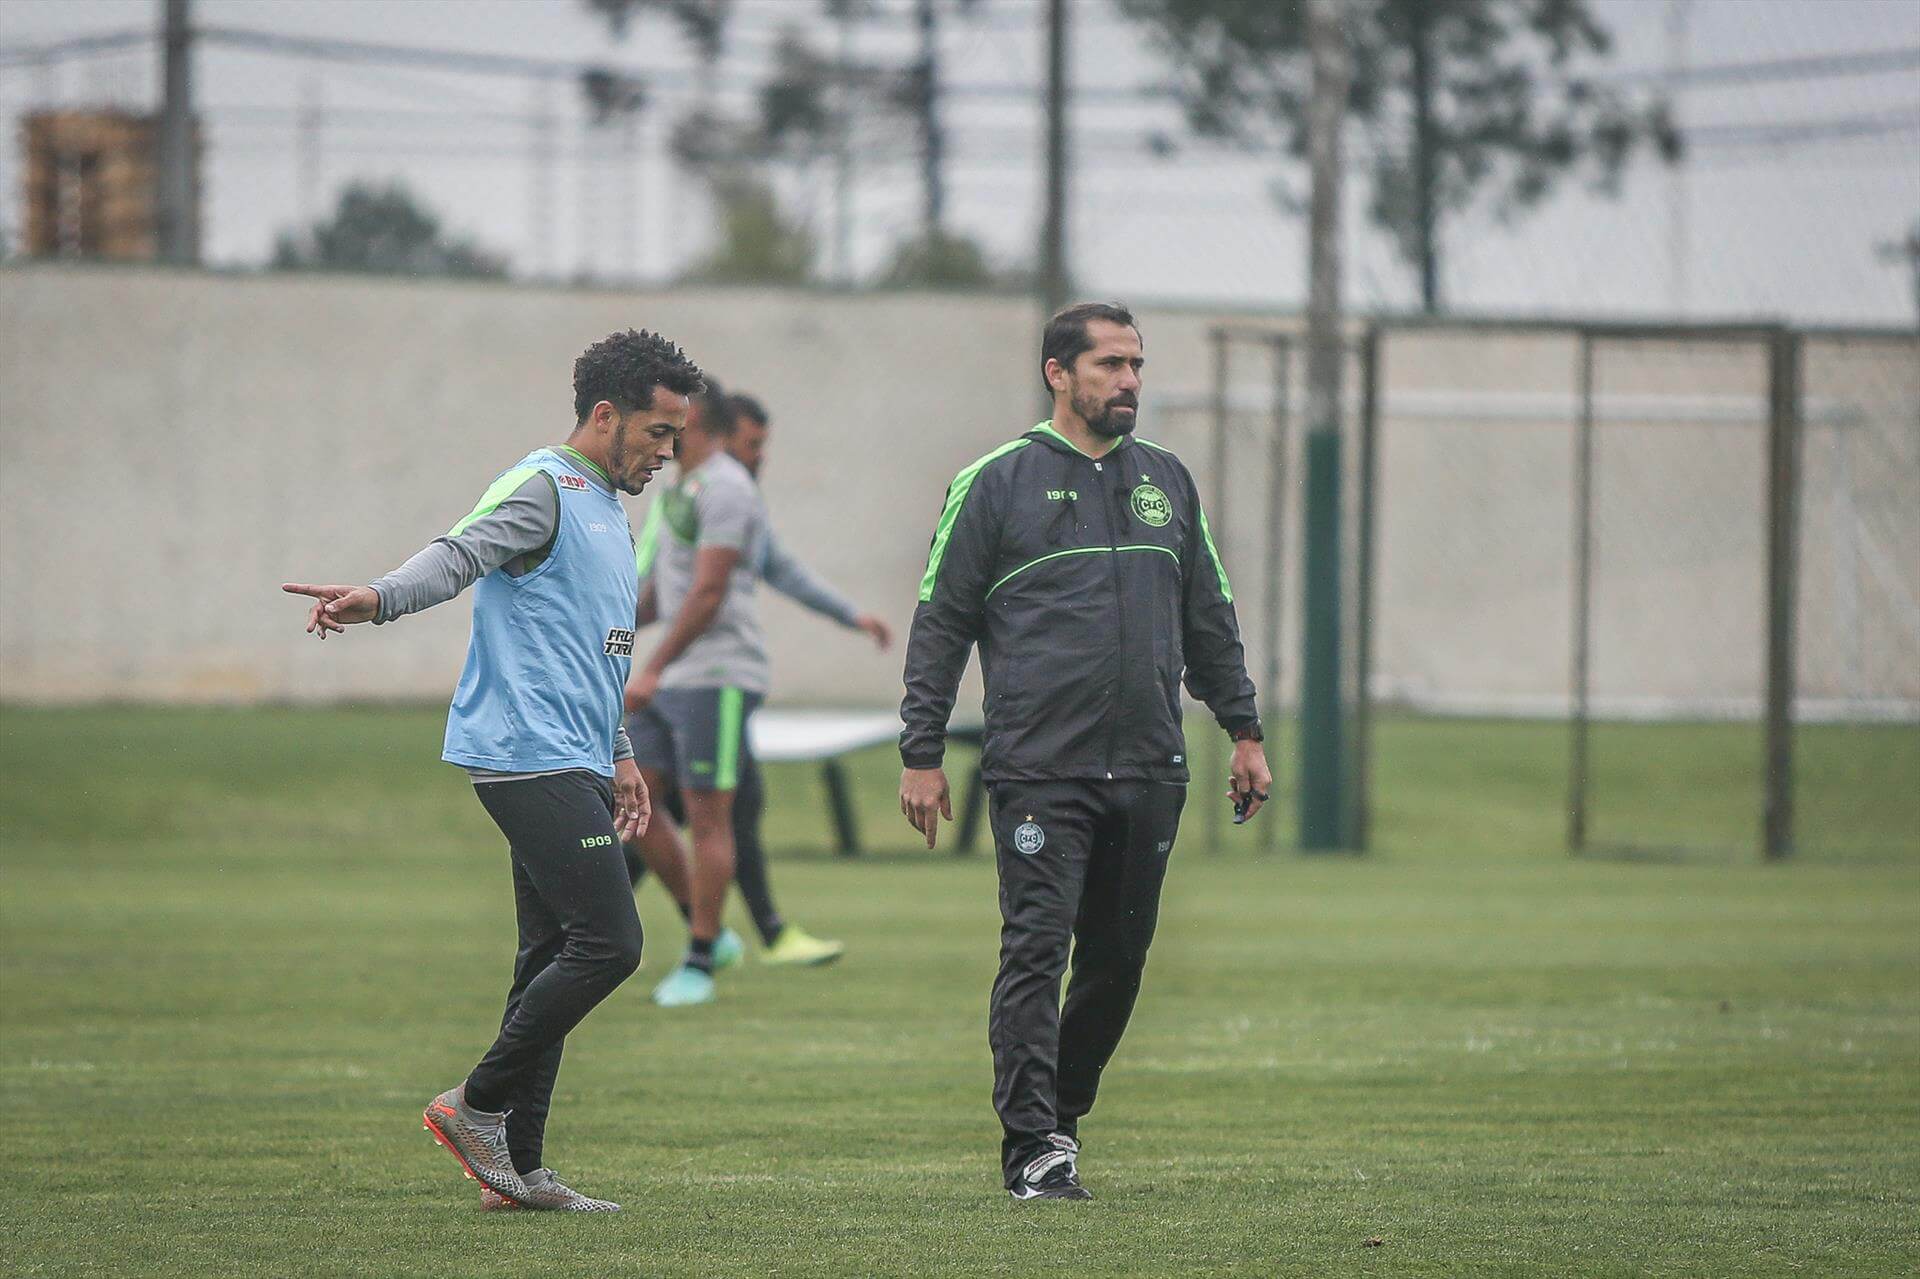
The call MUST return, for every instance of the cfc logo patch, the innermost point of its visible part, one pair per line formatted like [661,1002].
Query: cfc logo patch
[619,642]
[1151,505]
[1028,839]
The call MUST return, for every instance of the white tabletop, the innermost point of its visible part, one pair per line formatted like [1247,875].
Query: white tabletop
[781,735]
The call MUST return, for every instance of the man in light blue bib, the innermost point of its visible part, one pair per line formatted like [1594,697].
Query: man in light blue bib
[536,723]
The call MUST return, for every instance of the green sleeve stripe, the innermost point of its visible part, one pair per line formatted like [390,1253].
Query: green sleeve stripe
[1078,550]
[1161,448]
[649,544]
[501,489]
[1225,588]
[956,496]
[726,767]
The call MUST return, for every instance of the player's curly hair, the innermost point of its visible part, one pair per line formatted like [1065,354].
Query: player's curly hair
[624,368]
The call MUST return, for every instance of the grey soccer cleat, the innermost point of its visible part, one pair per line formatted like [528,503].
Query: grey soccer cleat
[478,1141]
[546,1193]
[1052,1174]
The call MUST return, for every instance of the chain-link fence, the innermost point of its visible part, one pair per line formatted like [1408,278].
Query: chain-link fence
[1627,529]
[1699,545]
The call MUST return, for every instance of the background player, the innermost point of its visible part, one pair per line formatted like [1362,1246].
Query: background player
[690,702]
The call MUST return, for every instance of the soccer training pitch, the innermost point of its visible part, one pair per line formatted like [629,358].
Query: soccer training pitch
[242,950]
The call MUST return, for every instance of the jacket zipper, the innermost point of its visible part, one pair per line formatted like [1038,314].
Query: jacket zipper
[1119,614]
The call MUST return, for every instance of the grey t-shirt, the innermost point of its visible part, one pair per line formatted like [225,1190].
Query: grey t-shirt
[716,504]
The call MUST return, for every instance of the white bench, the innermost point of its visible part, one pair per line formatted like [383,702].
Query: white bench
[780,736]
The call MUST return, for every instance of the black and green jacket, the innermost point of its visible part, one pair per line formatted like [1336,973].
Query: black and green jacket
[1091,587]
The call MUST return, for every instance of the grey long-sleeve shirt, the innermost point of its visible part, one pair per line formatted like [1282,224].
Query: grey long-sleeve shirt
[515,536]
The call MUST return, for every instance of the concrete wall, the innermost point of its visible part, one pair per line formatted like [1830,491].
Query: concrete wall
[174,445]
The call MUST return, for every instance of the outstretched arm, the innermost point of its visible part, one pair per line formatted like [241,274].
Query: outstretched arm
[512,527]
[785,573]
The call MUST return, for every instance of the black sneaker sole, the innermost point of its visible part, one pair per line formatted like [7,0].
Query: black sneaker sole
[1062,1192]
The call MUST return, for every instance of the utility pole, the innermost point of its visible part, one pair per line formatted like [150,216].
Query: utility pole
[932,140]
[1677,233]
[1425,176]
[307,150]
[630,196]
[587,265]
[1054,285]
[179,195]
[1321,772]
[540,193]
[843,153]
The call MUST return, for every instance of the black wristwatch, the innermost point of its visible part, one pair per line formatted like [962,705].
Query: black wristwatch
[1248,733]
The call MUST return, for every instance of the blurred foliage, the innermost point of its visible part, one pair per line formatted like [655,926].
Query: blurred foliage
[1507,93]
[757,244]
[702,22]
[940,260]
[385,230]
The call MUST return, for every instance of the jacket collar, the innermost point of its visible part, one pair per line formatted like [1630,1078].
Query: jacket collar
[1045,433]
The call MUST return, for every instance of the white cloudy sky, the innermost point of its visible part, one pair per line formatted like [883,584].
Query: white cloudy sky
[1786,228]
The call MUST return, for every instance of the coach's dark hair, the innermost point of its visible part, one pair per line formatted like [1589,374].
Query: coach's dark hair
[1066,336]
[745,405]
[624,368]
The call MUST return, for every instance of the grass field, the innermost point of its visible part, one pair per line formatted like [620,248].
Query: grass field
[241,950]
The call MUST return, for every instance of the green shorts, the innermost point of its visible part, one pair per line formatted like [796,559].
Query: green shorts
[694,735]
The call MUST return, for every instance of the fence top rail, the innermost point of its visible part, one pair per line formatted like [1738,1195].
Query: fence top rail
[1647,328]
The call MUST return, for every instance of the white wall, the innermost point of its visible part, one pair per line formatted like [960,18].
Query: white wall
[174,445]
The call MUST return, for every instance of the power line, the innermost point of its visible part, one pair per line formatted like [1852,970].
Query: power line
[1817,66]
[1789,132]
[1769,70]
[73,47]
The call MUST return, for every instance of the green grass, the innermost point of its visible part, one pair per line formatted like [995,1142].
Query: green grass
[240,950]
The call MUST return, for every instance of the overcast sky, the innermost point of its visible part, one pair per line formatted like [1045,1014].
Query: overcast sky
[1790,227]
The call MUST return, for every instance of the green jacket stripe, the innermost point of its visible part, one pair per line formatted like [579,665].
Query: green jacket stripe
[1078,550]
[1214,551]
[956,497]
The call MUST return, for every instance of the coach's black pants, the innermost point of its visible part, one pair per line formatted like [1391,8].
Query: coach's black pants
[1079,861]
[579,939]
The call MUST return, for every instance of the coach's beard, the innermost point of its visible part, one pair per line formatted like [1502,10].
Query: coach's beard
[1110,420]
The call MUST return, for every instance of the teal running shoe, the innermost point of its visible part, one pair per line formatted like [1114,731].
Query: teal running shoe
[728,950]
[683,987]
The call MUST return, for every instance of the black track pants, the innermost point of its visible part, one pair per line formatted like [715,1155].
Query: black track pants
[749,854]
[1080,862]
[579,939]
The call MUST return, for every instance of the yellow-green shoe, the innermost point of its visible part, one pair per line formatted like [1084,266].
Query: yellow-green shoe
[797,947]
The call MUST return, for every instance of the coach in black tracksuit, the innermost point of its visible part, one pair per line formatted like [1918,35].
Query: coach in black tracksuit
[1078,559]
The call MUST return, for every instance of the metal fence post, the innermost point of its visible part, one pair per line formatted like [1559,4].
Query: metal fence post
[1582,601]
[1281,350]
[1215,774]
[1359,799]
[1783,553]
